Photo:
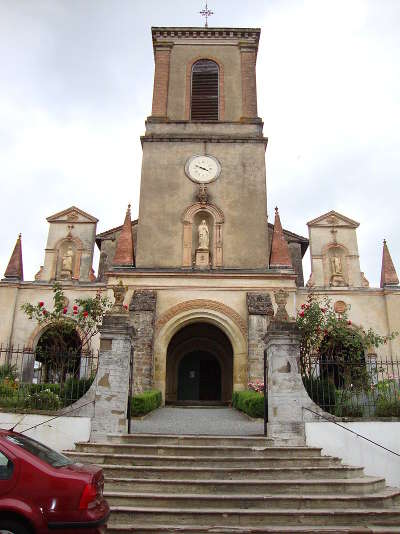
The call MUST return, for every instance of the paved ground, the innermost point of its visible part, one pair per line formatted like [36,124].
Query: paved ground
[213,421]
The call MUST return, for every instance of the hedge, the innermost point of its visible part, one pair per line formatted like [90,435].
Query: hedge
[249,402]
[145,402]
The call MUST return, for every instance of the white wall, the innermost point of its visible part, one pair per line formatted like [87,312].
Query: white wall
[353,450]
[59,434]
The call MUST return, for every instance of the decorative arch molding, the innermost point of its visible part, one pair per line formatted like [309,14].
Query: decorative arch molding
[39,330]
[203,311]
[221,94]
[202,304]
[187,219]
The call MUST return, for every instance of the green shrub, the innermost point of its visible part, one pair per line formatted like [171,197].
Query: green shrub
[43,400]
[387,407]
[145,402]
[37,388]
[249,402]
[8,371]
[348,404]
[75,388]
[322,392]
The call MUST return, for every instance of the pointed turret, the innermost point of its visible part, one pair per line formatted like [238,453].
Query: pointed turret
[15,270]
[280,256]
[124,254]
[388,272]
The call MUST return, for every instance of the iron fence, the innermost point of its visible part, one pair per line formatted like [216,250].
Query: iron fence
[369,387]
[32,380]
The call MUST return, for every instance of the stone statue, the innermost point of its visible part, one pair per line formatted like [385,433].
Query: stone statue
[337,275]
[119,295]
[66,263]
[204,236]
[336,264]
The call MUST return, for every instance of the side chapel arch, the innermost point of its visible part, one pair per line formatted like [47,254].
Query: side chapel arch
[217,242]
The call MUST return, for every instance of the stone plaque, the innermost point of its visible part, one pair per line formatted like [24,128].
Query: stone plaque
[260,304]
[143,300]
[203,259]
[340,306]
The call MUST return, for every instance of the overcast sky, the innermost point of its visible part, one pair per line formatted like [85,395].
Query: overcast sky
[76,87]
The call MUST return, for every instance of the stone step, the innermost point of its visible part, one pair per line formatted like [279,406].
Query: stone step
[189,439]
[202,461]
[353,486]
[205,450]
[194,529]
[388,498]
[253,516]
[231,473]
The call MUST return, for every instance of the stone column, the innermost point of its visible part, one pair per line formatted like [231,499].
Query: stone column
[285,386]
[162,54]
[260,311]
[143,312]
[248,56]
[112,381]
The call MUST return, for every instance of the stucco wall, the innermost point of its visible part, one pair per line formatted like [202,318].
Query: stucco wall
[59,434]
[336,441]
[166,192]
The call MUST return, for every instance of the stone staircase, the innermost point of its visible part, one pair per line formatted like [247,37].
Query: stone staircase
[208,484]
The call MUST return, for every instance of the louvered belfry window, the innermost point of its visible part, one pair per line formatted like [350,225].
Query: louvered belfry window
[204,97]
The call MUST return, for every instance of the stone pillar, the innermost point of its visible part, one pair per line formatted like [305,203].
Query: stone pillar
[285,385]
[143,312]
[248,56]
[288,402]
[162,54]
[260,311]
[112,381]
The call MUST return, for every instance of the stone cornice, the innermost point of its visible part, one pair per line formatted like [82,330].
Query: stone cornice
[206,138]
[176,34]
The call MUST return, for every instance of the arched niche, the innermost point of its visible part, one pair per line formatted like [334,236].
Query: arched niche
[192,217]
[335,261]
[68,258]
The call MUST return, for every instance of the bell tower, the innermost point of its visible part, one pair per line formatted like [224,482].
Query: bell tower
[203,189]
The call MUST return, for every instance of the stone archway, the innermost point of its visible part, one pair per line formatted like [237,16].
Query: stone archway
[199,365]
[201,311]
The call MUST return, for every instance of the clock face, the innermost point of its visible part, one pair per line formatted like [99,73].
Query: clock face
[202,169]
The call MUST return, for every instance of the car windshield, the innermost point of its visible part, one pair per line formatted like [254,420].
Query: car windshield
[49,456]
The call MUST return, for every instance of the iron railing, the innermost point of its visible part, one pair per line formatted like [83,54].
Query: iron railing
[368,387]
[49,381]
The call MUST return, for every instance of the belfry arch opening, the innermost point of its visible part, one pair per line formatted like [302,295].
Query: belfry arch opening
[199,365]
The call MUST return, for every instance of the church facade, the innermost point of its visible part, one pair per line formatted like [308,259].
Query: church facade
[202,262]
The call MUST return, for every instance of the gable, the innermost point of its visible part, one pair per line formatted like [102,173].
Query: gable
[333,218]
[72,214]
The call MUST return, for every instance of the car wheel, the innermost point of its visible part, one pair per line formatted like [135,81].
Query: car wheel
[9,526]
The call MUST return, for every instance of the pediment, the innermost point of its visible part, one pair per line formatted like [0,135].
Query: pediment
[72,215]
[333,218]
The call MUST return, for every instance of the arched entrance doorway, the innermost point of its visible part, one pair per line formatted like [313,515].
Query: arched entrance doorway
[199,365]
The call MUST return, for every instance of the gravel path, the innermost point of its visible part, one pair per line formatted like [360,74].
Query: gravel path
[211,421]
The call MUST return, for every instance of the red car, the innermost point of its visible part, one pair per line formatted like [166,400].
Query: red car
[42,491]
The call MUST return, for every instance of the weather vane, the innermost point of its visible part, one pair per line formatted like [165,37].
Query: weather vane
[206,13]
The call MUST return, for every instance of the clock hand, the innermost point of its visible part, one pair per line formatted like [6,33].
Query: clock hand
[204,169]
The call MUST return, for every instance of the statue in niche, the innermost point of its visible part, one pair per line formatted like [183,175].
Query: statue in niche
[204,236]
[336,265]
[337,277]
[67,261]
